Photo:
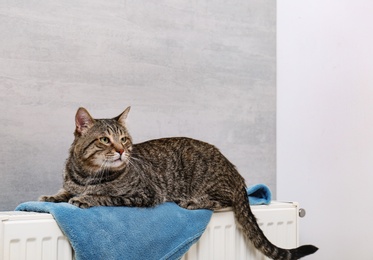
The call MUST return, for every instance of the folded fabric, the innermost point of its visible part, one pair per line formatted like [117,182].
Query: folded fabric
[259,194]
[163,232]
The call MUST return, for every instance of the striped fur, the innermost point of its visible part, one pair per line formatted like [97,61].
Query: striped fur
[105,168]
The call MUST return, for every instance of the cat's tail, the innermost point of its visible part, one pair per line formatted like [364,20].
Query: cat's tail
[253,232]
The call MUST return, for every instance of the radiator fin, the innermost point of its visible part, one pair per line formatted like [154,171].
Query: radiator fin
[15,249]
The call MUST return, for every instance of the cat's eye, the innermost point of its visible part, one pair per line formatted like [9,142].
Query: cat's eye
[123,139]
[104,140]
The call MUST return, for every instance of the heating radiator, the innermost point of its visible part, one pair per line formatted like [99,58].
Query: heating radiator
[36,236]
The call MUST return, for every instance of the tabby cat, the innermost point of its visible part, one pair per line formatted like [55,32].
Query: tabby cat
[105,168]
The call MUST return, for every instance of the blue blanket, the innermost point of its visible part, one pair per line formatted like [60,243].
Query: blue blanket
[163,232]
[259,194]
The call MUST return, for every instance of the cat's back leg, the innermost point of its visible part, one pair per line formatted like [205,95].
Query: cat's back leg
[212,196]
[204,202]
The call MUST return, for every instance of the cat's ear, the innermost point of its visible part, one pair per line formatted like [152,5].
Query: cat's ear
[122,117]
[83,121]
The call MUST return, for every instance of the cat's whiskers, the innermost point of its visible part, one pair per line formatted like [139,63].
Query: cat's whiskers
[102,170]
[95,175]
[140,161]
[137,162]
[105,168]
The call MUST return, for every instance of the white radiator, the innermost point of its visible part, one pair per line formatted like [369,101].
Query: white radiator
[36,236]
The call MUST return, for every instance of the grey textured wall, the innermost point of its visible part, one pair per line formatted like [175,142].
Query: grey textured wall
[203,69]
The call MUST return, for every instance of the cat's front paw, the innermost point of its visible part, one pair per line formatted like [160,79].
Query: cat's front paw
[81,202]
[61,196]
[47,198]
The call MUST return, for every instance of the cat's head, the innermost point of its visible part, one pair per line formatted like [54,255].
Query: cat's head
[101,144]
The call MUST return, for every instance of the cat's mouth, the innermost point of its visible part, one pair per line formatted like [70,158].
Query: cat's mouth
[115,161]
[113,158]
[111,161]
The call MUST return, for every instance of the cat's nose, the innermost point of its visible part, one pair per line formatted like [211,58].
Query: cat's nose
[120,151]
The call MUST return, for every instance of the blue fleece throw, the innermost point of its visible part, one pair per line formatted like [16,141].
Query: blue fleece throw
[163,232]
[259,194]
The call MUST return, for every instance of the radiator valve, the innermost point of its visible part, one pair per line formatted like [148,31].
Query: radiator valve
[302,213]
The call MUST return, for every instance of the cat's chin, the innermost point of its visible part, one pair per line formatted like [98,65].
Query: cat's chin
[116,163]
[113,162]
[110,167]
